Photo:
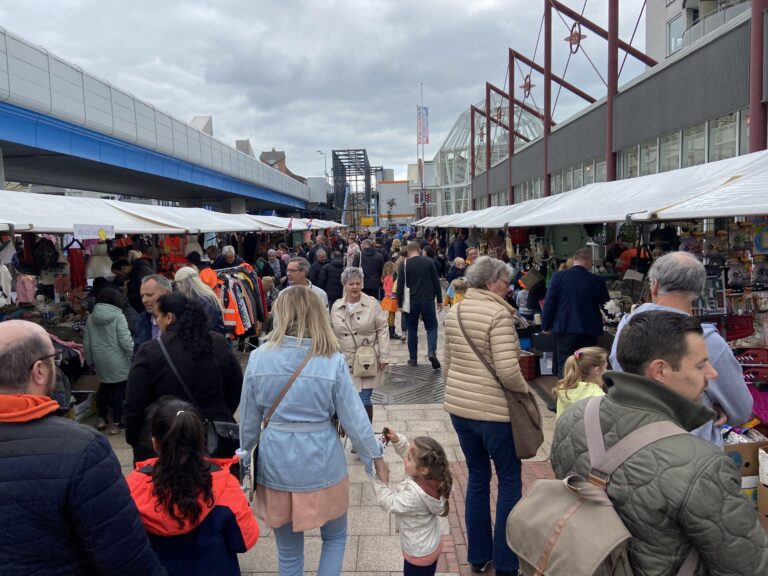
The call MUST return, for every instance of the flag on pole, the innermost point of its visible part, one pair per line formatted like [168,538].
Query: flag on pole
[290,223]
[422,125]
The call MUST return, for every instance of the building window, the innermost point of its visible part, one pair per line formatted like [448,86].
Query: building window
[629,162]
[675,29]
[669,152]
[578,176]
[743,132]
[600,173]
[589,172]
[649,157]
[694,145]
[557,184]
[723,138]
[568,180]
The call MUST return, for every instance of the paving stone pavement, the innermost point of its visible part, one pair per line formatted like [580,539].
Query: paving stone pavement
[373,546]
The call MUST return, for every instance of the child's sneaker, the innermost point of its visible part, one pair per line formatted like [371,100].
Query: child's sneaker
[101,424]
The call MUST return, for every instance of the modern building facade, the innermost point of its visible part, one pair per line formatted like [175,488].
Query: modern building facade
[690,108]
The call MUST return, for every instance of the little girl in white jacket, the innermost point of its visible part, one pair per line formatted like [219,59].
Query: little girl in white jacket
[418,501]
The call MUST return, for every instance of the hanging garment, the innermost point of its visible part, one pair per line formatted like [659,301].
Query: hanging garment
[77,268]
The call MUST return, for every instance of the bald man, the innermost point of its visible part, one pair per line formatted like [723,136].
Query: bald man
[66,507]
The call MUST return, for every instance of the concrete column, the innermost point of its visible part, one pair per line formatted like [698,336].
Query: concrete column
[757,115]
[2,170]
[234,205]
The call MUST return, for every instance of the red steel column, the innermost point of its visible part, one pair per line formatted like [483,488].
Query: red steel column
[487,143]
[547,89]
[511,122]
[471,158]
[613,83]
[757,120]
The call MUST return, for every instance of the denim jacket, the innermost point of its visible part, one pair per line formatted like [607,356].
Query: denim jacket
[300,450]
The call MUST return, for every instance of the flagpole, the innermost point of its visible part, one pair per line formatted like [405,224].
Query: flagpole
[423,137]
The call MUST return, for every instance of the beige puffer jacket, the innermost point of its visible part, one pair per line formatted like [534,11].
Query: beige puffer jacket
[470,389]
[365,323]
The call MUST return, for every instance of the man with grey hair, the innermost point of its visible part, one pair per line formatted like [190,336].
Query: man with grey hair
[228,259]
[152,287]
[66,507]
[298,275]
[677,280]
[572,308]
[321,259]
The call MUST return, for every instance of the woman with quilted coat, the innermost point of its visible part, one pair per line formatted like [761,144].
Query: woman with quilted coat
[478,408]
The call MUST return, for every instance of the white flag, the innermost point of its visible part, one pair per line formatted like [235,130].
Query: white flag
[422,125]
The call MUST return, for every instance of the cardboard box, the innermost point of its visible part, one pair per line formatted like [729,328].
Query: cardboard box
[762,499]
[746,456]
[84,407]
[762,457]
[86,383]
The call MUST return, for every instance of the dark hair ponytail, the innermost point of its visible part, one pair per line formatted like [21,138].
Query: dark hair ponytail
[191,322]
[181,475]
[430,454]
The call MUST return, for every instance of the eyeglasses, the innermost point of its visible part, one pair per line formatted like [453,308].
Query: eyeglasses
[293,270]
[56,358]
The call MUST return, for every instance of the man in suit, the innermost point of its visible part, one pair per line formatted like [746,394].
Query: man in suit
[572,308]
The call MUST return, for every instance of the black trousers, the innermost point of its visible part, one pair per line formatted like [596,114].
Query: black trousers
[372,292]
[412,570]
[567,344]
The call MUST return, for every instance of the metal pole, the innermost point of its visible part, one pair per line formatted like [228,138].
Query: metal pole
[487,144]
[757,116]
[511,133]
[547,89]
[423,191]
[613,83]
[472,158]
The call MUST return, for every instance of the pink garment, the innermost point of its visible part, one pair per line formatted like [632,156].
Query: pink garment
[25,289]
[79,349]
[307,510]
[427,560]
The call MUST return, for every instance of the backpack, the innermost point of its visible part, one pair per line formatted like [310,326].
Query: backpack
[365,362]
[44,254]
[547,527]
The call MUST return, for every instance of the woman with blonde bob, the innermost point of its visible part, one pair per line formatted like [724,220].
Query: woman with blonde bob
[301,471]
[582,377]
[188,282]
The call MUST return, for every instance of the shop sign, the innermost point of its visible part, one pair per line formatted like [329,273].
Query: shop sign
[366,221]
[93,232]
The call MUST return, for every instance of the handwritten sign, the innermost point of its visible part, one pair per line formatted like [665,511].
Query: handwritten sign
[93,232]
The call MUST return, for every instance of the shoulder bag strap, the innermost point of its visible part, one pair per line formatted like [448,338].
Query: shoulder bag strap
[607,461]
[474,348]
[268,417]
[175,370]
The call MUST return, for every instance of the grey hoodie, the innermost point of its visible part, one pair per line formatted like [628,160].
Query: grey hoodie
[108,343]
[728,390]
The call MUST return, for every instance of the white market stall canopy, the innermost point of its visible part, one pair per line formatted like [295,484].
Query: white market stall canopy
[26,212]
[732,187]
[194,220]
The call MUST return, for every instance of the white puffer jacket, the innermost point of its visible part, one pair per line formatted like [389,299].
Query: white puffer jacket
[470,389]
[417,512]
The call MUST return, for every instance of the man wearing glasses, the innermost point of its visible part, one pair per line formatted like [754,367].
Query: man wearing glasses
[66,507]
[298,272]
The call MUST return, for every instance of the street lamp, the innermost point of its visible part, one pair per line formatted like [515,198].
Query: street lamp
[325,163]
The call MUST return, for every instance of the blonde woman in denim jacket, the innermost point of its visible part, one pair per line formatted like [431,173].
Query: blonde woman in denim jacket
[301,469]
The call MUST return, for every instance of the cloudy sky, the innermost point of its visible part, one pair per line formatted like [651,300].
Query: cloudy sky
[308,75]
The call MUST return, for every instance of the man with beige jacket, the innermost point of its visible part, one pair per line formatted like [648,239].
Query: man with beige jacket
[478,408]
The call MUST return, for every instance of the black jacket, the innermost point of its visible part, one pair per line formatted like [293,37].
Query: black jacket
[457,249]
[330,279]
[269,271]
[454,273]
[420,276]
[66,507]
[215,382]
[372,263]
[314,271]
[140,269]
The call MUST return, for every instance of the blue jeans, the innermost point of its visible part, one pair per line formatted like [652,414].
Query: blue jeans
[424,309]
[482,442]
[290,548]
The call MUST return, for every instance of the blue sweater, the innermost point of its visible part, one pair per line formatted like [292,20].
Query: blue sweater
[728,390]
